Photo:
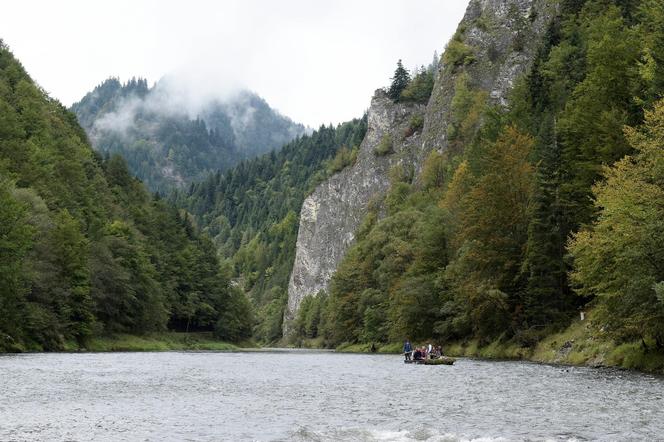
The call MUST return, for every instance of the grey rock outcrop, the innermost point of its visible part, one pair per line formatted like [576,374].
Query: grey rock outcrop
[502,37]
[333,212]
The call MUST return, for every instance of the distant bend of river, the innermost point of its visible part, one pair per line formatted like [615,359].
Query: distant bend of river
[316,396]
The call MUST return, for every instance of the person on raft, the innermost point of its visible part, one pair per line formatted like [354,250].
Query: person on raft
[407,350]
[420,353]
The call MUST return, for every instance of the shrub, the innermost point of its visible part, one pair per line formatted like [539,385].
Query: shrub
[344,157]
[416,122]
[384,147]
[397,196]
[482,23]
[420,88]
[458,53]
[433,170]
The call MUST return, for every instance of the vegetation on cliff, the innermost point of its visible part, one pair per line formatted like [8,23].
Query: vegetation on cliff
[413,89]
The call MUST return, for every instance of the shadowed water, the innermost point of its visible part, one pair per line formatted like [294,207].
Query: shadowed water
[316,396]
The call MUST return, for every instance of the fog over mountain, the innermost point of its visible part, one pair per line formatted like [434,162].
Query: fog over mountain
[175,131]
[285,51]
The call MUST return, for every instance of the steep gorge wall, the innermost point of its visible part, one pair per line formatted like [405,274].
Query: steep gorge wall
[502,37]
[333,212]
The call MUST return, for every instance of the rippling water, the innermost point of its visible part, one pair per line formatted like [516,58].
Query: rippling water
[315,396]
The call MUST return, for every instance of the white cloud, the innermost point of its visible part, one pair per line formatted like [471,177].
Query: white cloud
[314,61]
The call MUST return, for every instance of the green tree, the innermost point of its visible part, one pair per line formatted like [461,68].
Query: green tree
[467,107]
[419,89]
[492,230]
[619,258]
[547,295]
[71,252]
[15,241]
[590,126]
[400,81]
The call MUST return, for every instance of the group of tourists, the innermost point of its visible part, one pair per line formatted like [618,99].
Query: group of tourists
[421,353]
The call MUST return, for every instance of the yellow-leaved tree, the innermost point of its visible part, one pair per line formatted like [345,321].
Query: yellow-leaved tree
[620,257]
[490,216]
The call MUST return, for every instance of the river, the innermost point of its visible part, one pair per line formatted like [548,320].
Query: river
[317,396]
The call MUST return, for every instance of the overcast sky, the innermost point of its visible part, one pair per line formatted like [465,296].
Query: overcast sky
[315,61]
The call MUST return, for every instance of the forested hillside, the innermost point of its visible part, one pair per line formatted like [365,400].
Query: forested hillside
[86,250]
[534,210]
[538,206]
[251,212]
[169,142]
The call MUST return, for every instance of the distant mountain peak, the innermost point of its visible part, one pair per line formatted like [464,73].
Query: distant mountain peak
[172,136]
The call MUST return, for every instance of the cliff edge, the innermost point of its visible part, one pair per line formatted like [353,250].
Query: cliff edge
[494,44]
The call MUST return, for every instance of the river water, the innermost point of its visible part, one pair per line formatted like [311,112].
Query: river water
[317,396]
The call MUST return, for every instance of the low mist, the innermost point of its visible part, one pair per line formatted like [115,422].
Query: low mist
[187,95]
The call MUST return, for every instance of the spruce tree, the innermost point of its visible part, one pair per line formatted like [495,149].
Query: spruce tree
[547,293]
[399,82]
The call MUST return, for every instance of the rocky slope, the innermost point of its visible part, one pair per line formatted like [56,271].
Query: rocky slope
[493,46]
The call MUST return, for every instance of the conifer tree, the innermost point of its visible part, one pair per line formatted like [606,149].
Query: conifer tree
[547,289]
[399,82]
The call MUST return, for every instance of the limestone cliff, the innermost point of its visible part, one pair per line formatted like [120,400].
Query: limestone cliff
[502,37]
[495,42]
[333,212]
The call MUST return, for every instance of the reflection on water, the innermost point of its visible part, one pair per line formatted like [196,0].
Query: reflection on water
[317,396]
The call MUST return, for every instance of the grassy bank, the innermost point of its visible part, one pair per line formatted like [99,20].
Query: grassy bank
[366,348]
[160,342]
[579,345]
[166,341]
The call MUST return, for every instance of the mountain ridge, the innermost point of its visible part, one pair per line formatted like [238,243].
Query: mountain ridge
[172,137]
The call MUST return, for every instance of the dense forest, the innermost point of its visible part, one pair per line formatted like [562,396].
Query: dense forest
[252,212]
[86,250]
[535,210]
[167,141]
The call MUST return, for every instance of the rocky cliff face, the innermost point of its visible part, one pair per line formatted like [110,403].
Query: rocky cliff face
[502,37]
[498,39]
[333,212]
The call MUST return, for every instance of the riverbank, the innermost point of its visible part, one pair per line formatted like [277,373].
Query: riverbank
[168,341]
[577,345]
[165,341]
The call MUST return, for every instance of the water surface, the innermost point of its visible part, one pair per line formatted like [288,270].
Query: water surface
[316,396]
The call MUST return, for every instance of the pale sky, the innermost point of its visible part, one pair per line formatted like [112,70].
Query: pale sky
[316,61]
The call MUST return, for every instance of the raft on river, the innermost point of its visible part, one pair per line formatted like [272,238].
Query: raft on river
[443,360]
